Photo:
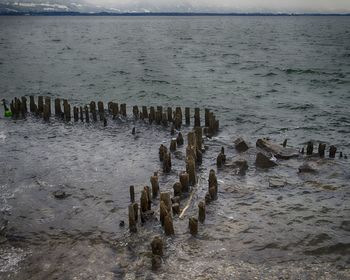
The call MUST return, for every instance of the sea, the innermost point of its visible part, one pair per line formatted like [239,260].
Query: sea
[276,77]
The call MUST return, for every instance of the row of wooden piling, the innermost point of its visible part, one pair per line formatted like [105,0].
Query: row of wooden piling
[321,150]
[158,114]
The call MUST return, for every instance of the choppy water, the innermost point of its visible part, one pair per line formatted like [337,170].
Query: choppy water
[282,77]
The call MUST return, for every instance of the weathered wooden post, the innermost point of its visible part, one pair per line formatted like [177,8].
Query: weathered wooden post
[81,113]
[24,108]
[144,202]
[167,163]
[165,197]
[123,109]
[168,225]
[132,194]
[93,110]
[66,110]
[321,149]
[177,189]
[199,134]
[185,181]
[206,117]
[164,120]
[101,110]
[201,211]
[213,184]
[191,170]
[75,113]
[176,208]
[132,221]
[144,112]
[187,116]
[58,110]
[332,151]
[178,118]
[157,246]
[162,151]
[152,114]
[173,145]
[162,212]
[135,111]
[46,112]
[197,117]
[48,102]
[193,226]
[32,106]
[115,110]
[284,144]
[309,148]
[87,117]
[40,104]
[170,114]
[155,184]
[179,139]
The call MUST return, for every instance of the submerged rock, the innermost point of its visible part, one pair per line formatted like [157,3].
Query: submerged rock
[60,194]
[277,150]
[264,161]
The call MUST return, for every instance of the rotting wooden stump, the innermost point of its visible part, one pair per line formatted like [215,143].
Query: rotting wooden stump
[309,148]
[170,114]
[206,117]
[240,145]
[156,262]
[193,226]
[75,113]
[40,104]
[32,106]
[101,110]
[191,170]
[197,117]
[135,111]
[263,161]
[321,149]
[144,112]
[24,109]
[177,189]
[157,246]
[162,212]
[168,225]
[152,115]
[201,211]
[167,163]
[173,145]
[46,112]
[93,110]
[144,203]
[187,116]
[115,110]
[87,117]
[81,113]
[165,197]
[199,134]
[179,139]
[123,109]
[162,152]
[132,221]
[155,184]
[132,193]
[136,210]
[332,151]
[213,184]
[185,181]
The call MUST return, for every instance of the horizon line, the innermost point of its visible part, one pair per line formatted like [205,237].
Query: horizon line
[72,13]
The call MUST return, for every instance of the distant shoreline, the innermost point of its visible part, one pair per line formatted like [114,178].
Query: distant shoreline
[162,14]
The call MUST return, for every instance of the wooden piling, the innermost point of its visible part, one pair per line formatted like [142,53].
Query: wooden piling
[154,184]
[48,102]
[170,114]
[165,196]
[168,225]
[193,226]
[184,180]
[93,110]
[213,184]
[32,106]
[177,189]
[199,134]
[167,163]
[332,151]
[179,139]
[162,212]
[123,109]
[40,104]
[135,111]
[115,110]
[152,114]
[66,110]
[46,112]
[75,113]
[309,148]
[144,203]
[201,212]
[132,194]
[132,221]
[173,145]
[206,117]
[58,110]
[87,117]
[81,113]
[24,109]
[197,117]
[187,116]
[178,118]
[191,170]
[162,151]
[101,110]
[321,149]
[144,112]
[157,246]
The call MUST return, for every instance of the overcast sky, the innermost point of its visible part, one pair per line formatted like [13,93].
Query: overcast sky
[237,5]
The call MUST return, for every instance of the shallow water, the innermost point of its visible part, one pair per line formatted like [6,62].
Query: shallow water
[282,77]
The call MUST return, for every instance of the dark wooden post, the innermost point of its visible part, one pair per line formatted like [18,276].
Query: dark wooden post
[58,110]
[93,110]
[197,118]
[40,104]
[188,116]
